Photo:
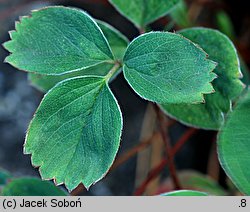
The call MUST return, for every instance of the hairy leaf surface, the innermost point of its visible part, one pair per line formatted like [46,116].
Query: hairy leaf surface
[234,145]
[75,133]
[118,44]
[142,12]
[227,86]
[167,68]
[57,40]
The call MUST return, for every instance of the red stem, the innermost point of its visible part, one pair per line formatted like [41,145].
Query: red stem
[151,175]
[183,139]
[138,148]
[132,152]
[158,169]
[168,147]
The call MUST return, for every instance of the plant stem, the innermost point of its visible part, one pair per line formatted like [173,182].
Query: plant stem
[183,139]
[151,175]
[158,169]
[112,72]
[142,31]
[169,154]
[132,152]
[213,166]
[138,148]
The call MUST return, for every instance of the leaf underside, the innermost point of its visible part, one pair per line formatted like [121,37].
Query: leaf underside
[75,133]
[227,86]
[167,68]
[142,12]
[57,40]
[234,146]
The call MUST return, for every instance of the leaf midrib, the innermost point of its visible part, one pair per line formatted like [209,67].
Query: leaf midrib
[80,140]
[52,115]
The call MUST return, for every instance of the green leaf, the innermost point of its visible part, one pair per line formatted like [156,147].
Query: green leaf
[75,134]
[225,24]
[167,68]
[197,181]
[180,15]
[142,12]
[184,193]
[118,44]
[245,71]
[234,146]
[57,40]
[117,41]
[46,82]
[4,176]
[227,86]
[31,187]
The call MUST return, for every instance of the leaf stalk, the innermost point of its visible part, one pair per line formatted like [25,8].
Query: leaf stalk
[113,71]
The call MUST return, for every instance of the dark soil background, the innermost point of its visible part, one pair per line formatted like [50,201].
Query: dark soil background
[18,100]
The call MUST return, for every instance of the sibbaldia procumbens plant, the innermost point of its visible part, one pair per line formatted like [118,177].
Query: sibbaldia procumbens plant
[75,133]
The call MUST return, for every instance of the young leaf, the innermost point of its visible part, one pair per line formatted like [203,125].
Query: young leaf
[142,12]
[76,131]
[57,40]
[167,68]
[184,193]
[118,44]
[31,187]
[45,82]
[227,86]
[234,147]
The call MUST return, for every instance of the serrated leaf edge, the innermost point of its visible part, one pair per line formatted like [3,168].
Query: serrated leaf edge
[201,94]
[31,153]
[112,60]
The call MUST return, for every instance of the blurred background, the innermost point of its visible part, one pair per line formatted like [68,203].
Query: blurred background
[18,101]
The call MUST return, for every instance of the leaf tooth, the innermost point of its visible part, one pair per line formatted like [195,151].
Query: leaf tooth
[12,33]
